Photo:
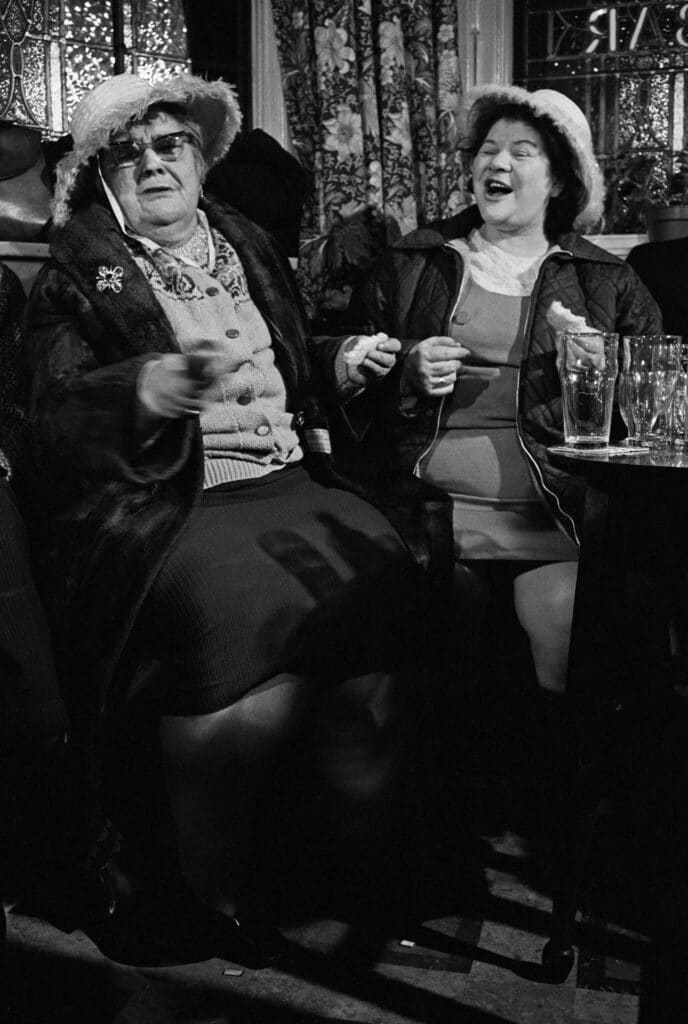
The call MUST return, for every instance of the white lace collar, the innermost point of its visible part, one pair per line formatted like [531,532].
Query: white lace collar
[496,270]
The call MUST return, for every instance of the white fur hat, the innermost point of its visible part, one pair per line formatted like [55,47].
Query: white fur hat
[570,121]
[117,101]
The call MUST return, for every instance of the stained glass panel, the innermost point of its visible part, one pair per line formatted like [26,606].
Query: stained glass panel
[159,28]
[38,15]
[156,67]
[625,65]
[83,66]
[16,108]
[16,20]
[33,80]
[90,21]
[5,80]
[51,51]
[53,15]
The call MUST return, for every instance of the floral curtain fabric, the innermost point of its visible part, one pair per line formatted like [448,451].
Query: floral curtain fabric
[372,88]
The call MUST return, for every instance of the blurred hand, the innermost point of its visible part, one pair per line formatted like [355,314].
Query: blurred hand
[432,366]
[370,358]
[582,350]
[177,385]
[207,365]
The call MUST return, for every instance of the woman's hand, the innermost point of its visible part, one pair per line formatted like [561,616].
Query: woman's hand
[370,358]
[432,366]
[583,349]
[177,385]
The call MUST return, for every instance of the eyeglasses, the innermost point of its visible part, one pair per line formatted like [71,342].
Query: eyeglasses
[168,147]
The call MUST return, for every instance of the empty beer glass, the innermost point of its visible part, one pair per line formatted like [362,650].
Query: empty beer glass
[679,419]
[625,408]
[679,406]
[650,370]
[588,365]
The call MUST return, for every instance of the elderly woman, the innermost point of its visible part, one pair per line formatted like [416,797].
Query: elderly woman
[475,400]
[193,524]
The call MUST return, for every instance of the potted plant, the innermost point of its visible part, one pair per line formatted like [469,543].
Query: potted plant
[338,261]
[629,184]
[670,220]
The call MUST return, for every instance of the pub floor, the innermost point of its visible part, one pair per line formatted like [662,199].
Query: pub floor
[447,929]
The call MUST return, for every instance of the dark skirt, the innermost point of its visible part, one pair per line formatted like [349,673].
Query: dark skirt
[278,575]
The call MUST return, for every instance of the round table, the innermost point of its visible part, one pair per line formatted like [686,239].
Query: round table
[635,521]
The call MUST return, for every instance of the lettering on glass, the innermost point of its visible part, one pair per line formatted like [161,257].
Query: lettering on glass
[623,28]
[626,66]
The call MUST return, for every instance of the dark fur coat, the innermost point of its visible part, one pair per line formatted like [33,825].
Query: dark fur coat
[107,505]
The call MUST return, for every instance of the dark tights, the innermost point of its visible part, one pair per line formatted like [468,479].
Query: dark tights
[220,766]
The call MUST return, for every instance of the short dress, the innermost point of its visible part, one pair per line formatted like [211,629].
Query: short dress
[477,455]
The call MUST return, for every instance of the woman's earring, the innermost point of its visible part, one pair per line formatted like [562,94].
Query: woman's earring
[201,194]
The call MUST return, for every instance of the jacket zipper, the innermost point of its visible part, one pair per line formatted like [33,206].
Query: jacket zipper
[539,479]
[438,417]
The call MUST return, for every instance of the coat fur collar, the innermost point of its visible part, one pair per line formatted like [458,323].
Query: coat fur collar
[92,249]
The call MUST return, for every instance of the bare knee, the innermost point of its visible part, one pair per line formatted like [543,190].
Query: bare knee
[544,604]
[544,598]
[255,723]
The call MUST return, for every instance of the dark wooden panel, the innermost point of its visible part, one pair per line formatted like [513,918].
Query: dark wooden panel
[219,34]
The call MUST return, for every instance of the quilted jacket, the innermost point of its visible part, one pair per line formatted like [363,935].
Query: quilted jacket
[412,295]
[110,505]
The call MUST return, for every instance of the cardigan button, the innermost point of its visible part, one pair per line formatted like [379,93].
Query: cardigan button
[212,290]
[231,332]
[262,430]
[244,398]
[461,318]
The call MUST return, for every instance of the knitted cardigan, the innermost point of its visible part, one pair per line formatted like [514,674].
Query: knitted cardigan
[107,507]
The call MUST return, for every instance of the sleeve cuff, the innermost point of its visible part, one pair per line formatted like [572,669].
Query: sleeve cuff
[144,391]
[346,387]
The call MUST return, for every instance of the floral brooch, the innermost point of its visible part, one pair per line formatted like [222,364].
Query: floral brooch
[109,279]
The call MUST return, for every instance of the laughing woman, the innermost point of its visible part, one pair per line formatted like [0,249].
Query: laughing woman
[474,400]
[192,519]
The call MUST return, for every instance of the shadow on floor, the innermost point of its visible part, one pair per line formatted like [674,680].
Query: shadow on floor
[425,881]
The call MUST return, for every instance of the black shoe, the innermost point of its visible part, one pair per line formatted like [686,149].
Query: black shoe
[251,939]
[70,901]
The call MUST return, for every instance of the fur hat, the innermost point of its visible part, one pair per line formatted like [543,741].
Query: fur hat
[116,102]
[569,120]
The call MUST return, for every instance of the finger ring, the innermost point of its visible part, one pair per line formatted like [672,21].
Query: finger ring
[443,380]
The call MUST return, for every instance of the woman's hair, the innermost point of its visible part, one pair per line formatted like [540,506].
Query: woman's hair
[563,208]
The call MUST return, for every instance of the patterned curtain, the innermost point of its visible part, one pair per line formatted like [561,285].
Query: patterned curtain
[372,88]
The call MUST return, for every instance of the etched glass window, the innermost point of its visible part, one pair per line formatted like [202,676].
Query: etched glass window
[625,65]
[51,51]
